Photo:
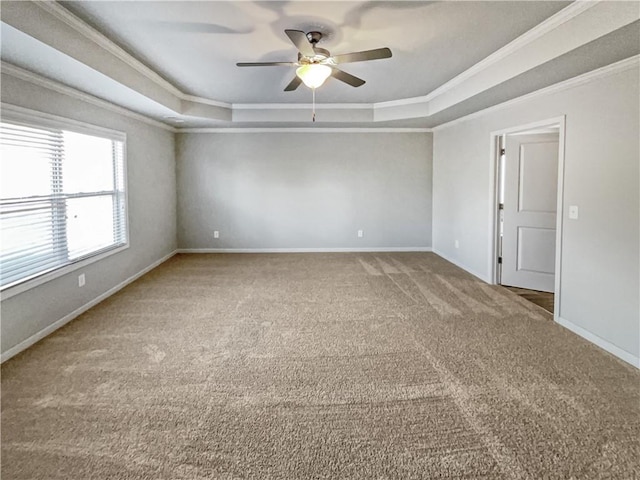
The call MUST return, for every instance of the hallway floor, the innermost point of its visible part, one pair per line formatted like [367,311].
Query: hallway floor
[542,299]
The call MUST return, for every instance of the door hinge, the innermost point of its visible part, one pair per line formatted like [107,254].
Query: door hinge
[499,260]
[501,206]
[502,151]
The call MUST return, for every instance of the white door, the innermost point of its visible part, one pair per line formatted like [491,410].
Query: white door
[529,216]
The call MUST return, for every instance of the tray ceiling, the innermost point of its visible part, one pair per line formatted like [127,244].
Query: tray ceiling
[187,52]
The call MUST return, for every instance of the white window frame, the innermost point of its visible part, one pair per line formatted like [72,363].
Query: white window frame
[13,113]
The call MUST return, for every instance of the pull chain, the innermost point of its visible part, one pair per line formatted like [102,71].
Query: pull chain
[313,117]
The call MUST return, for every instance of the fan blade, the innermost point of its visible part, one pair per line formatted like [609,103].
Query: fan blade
[300,40]
[295,83]
[362,56]
[267,64]
[346,78]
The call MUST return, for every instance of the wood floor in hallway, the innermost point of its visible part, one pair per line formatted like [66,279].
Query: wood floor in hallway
[542,299]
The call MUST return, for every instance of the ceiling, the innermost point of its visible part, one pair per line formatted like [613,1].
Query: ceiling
[195,45]
[177,59]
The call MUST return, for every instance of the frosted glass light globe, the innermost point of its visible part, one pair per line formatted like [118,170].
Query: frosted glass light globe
[314,74]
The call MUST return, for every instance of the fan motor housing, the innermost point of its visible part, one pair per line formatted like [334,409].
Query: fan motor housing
[320,56]
[314,37]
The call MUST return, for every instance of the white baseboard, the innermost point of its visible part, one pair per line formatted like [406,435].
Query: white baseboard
[482,277]
[303,250]
[67,318]
[600,342]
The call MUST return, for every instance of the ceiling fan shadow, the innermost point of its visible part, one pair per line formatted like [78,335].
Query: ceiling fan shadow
[276,7]
[354,17]
[274,56]
[197,27]
[331,33]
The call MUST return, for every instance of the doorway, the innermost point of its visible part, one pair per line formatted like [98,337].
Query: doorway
[529,165]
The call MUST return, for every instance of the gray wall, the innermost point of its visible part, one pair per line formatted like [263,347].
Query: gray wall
[600,252]
[152,214]
[304,190]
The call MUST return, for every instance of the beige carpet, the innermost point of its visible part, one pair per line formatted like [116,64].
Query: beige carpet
[323,366]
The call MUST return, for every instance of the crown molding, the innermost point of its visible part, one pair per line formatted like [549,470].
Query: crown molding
[614,68]
[71,20]
[35,79]
[302,106]
[415,107]
[571,11]
[305,130]
[553,22]
[550,24]
[204,101]
[61,13]
[30,77]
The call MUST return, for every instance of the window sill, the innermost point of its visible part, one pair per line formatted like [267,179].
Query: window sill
[59,272]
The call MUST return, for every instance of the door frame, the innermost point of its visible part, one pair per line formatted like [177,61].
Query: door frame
[559,122]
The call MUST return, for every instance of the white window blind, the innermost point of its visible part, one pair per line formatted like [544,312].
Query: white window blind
[62,199]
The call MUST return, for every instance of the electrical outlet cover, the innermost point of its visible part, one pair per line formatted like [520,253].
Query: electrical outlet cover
[573,212]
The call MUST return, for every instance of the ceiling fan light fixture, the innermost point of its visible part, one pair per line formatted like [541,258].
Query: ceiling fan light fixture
[314,74]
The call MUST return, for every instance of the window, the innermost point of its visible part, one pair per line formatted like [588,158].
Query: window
[62,197]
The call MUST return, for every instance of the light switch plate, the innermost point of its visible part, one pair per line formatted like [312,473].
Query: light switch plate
[573,212]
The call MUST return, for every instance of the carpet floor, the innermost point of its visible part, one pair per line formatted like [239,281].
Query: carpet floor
[317,366]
